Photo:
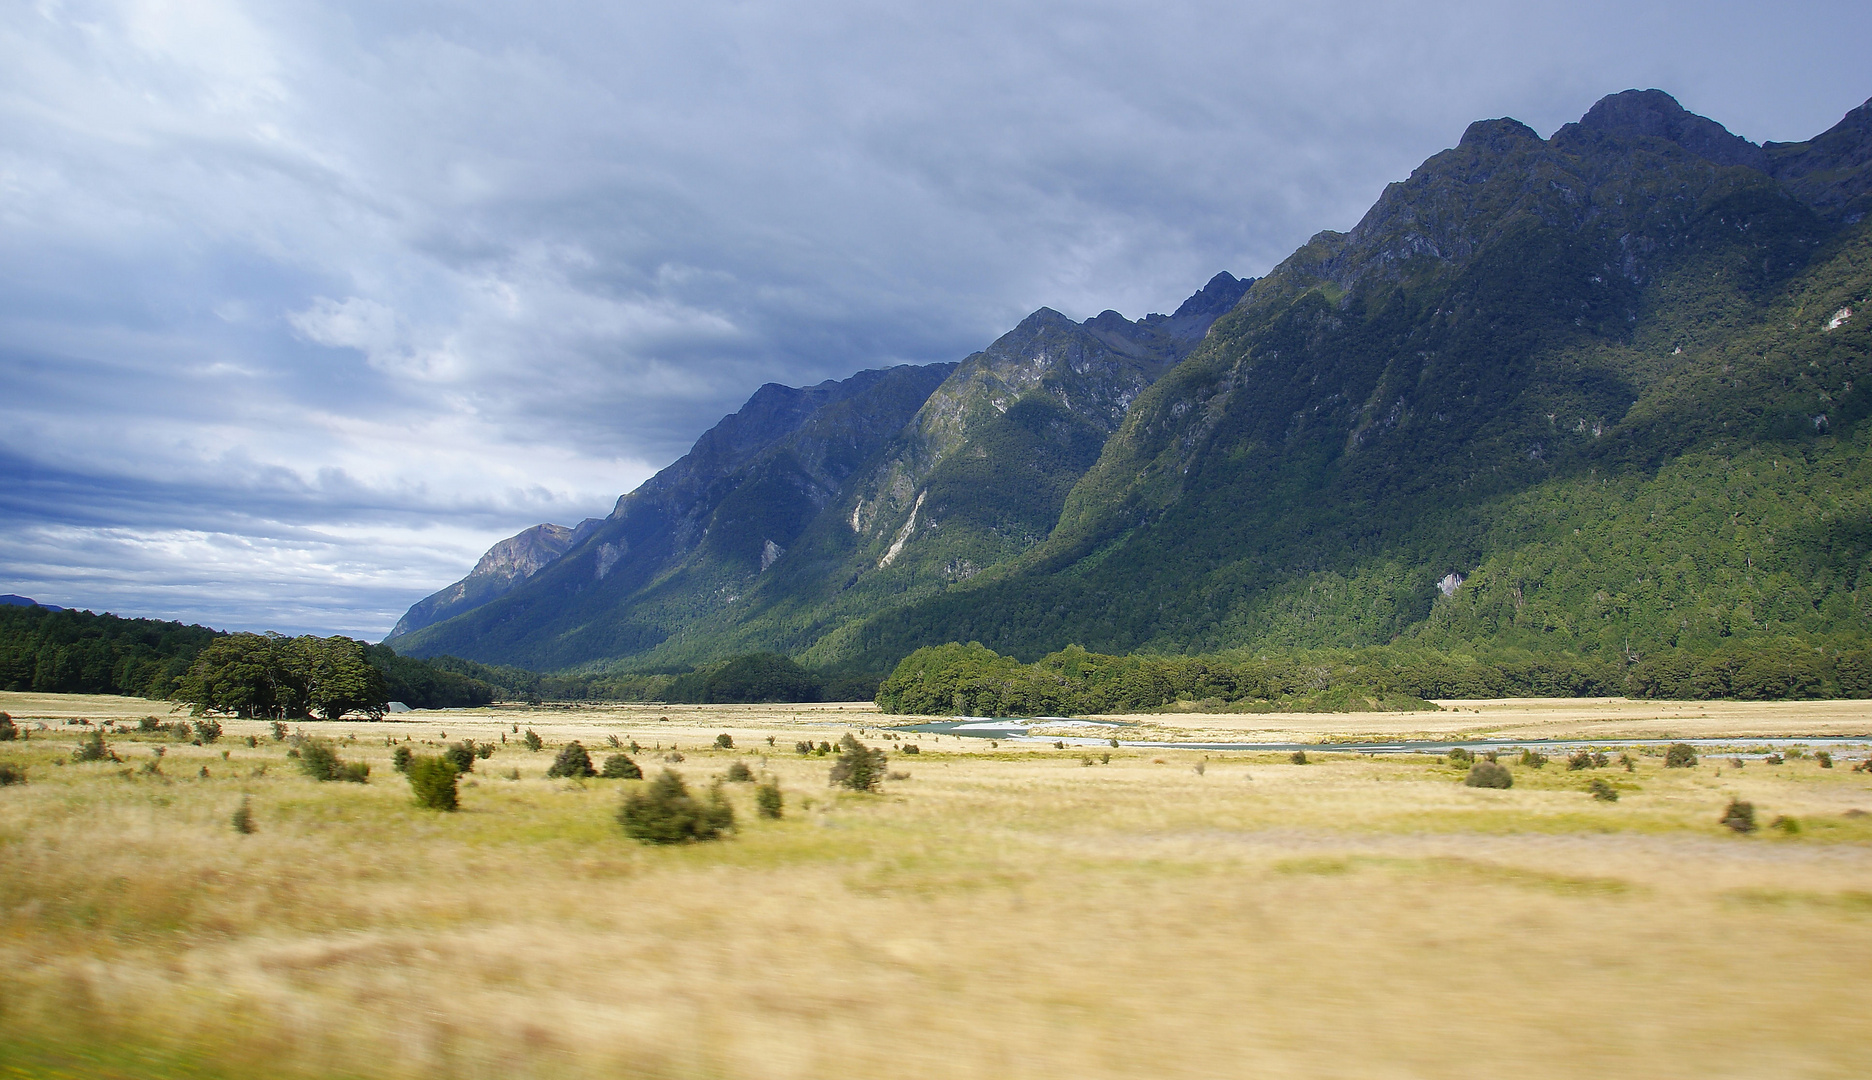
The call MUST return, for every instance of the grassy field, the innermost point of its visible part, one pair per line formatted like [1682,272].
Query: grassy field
[998,913]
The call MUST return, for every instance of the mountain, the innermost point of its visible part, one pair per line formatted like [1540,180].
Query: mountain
[794,514]
[504,567]
[1602,394]
[16,600]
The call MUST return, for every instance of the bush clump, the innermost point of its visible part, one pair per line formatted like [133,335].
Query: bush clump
[319,760]
[1680,756]
[432,781]
[663,812]
[1460,756]
[1489,774]
[724,741]
[243,819]
[912,748]
[572,761]
[400,759]
[1586,759]
[621,767]
[462,755]
[1602,791]
[8,729]
[1298,757]
[739,773]
[207,730]
[768,802]
[94,749]
[1825,758]
[532,740]
[11,774]
[858,767]
[1533,759]
[803,748]
[1739,816]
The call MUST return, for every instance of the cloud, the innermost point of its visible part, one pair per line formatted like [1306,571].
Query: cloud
[341,292]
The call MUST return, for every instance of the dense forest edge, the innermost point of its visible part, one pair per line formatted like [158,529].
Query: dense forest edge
[45,650]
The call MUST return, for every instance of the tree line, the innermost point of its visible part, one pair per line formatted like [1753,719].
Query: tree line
[973,680]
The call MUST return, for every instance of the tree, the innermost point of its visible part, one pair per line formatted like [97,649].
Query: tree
[334,676]
[268,676]
[571,761]
[858,767]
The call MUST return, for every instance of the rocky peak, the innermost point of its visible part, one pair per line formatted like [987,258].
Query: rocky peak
[521,556]
[1499,136]
[1655,114]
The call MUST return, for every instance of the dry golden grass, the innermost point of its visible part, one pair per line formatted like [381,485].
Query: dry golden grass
[1000,914]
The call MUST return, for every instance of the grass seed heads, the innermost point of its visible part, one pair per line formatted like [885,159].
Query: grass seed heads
[1489,774]
[663,812]
[432,782]
[572,761]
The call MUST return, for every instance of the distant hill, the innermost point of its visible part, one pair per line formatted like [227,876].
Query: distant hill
[15,600]
[1602,395]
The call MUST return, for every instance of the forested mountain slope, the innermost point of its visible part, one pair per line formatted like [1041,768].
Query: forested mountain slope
[1601,392]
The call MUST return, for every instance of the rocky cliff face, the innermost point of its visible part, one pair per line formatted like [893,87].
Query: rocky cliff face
[504,567]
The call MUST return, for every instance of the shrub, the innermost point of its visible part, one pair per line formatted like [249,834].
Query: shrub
[1737,763]
[1795,753]
[8,729]
[94,749]
[613,743]
[182,731]
[803,748]
[207,730]
[1460,756]
[1739,816]
[724,741]
[768,802]
[663,812]
[482,750]
[1785,824]
[279,731]
[1824,758]
[1630,763]
[532,740]
[1489,774]
[432,781]
[674,757]
[243,820]
[621,767]
[1584,759]
[858,767]
[572,761]
[1772,759]
[149,724]
[319,760]
[1533,759]
[823,749]
[400,759]
[1298,757]
[1602,791]
[1680,756]
[912,748]
[462,756]
[11,774]
[739,773]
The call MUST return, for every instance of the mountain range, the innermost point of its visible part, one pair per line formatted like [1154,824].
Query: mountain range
[1602,393]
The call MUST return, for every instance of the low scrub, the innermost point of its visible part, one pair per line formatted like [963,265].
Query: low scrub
[93,748]
[432,782]
[1533,759]
[858,767]
[1602,791]
[663,812]
[1739,816]
[572,762]
[621,767]
[532,740]
[243,819]
[11,774]
[739,773]
[768,802]
[1489,774]
[8,729]
[319,759]
[1587,759]
[1680,756]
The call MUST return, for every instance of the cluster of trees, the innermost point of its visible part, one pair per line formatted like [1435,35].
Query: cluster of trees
[78,652]
[973,680]
[270,676]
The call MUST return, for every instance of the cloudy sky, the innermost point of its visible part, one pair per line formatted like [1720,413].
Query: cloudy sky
[303,305]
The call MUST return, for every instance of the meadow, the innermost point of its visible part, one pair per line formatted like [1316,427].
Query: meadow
[1008,912]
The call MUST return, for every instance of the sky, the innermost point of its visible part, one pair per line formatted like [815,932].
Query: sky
[304,305]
